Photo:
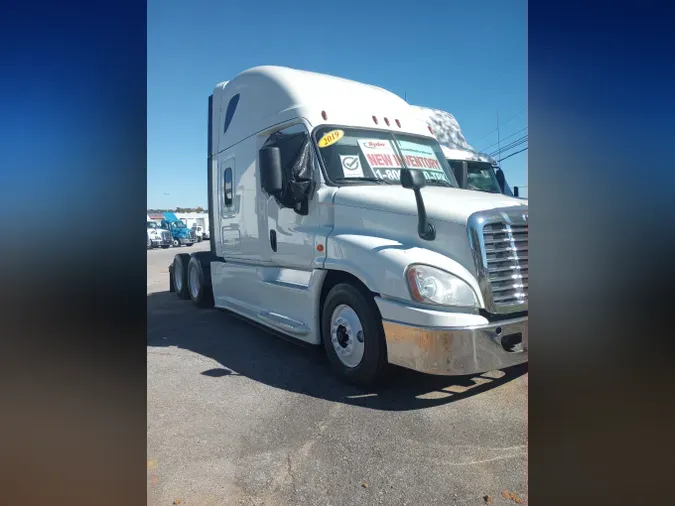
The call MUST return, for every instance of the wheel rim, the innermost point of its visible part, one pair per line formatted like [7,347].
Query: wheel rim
[176,242]
[178,276]
[193,281]
[347,336]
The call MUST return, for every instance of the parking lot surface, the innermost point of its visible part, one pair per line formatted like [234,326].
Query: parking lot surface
[237,416]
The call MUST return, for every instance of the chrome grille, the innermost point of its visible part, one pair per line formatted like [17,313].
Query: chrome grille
[506,254]
[499,239]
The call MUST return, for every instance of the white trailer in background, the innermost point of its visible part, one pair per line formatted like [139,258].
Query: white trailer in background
[336,220]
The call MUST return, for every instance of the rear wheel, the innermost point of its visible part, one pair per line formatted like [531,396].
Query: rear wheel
[352,334]
[199,283]
[179,275]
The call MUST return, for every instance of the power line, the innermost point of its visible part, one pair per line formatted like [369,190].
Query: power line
[509,146]
[508,121]
[508,136]
[512,154]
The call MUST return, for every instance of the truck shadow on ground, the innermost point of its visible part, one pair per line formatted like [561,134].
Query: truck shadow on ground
[246,350]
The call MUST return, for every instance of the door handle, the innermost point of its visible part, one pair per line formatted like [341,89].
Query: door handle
[273,240]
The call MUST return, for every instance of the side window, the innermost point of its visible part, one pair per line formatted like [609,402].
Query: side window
[229,113]
[297,163]
[289,141]
[227,188]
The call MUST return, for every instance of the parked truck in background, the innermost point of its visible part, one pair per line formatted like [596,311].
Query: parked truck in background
[180,233]
[336,220]
[156,236]
[483,171]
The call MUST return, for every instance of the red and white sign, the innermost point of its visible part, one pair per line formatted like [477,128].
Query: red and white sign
[382,158]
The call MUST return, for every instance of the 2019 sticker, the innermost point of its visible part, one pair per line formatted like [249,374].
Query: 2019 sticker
[331,138]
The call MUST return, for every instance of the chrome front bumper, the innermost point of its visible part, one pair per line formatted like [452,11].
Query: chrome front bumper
[476,348]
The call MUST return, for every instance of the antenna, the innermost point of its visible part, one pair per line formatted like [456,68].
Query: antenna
[499,147]
[405,96]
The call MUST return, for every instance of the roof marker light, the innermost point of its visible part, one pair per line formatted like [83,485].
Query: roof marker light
[324,115]
[375,120]
[398,123]
[386,121]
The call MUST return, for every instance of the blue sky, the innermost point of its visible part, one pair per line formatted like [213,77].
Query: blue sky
[468,57]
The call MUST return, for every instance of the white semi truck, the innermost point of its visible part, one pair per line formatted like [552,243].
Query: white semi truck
[483,171]
[336,220]
[156,236]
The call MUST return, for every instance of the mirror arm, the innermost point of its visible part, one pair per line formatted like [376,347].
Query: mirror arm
[425,229]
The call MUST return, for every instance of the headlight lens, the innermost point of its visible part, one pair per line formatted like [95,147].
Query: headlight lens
[431,285]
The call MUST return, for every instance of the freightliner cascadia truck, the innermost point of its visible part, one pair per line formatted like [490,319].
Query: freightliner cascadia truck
[483,171]
[336,220]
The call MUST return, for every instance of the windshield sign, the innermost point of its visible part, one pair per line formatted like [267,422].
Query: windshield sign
[386,164]
[358,156]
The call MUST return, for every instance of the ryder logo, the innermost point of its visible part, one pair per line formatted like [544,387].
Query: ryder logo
[373,144]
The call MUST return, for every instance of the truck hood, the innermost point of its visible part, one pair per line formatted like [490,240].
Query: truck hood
[442,203]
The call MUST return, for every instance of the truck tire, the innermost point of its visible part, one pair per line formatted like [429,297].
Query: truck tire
[175,243]
[199,283]
[166,246]
[190,244]
[179,274]
[353,336]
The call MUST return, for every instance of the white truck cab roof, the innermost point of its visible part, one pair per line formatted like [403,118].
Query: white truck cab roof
[269,95]
[465,155]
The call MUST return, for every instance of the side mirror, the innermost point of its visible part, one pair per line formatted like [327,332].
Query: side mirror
[271,175]
[515,191]
[412,179]
[462,174]
[501,180]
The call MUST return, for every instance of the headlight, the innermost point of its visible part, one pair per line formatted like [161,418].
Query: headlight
[431,285]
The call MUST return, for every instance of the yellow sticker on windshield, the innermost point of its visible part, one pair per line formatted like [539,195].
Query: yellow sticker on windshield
[331,138]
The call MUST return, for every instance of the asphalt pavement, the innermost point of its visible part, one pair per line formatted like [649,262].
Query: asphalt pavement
[238,416]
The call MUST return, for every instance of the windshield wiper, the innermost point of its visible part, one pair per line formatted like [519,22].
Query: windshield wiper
[365,178]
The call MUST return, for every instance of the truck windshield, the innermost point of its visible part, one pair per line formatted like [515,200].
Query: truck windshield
[178,224]
[480,176]
[360,156]
[152,224]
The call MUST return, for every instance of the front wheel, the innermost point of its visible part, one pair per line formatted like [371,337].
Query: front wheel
[165,246]
[353,336]
[175,243]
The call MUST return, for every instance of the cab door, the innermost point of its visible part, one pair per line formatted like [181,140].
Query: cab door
[286,237]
